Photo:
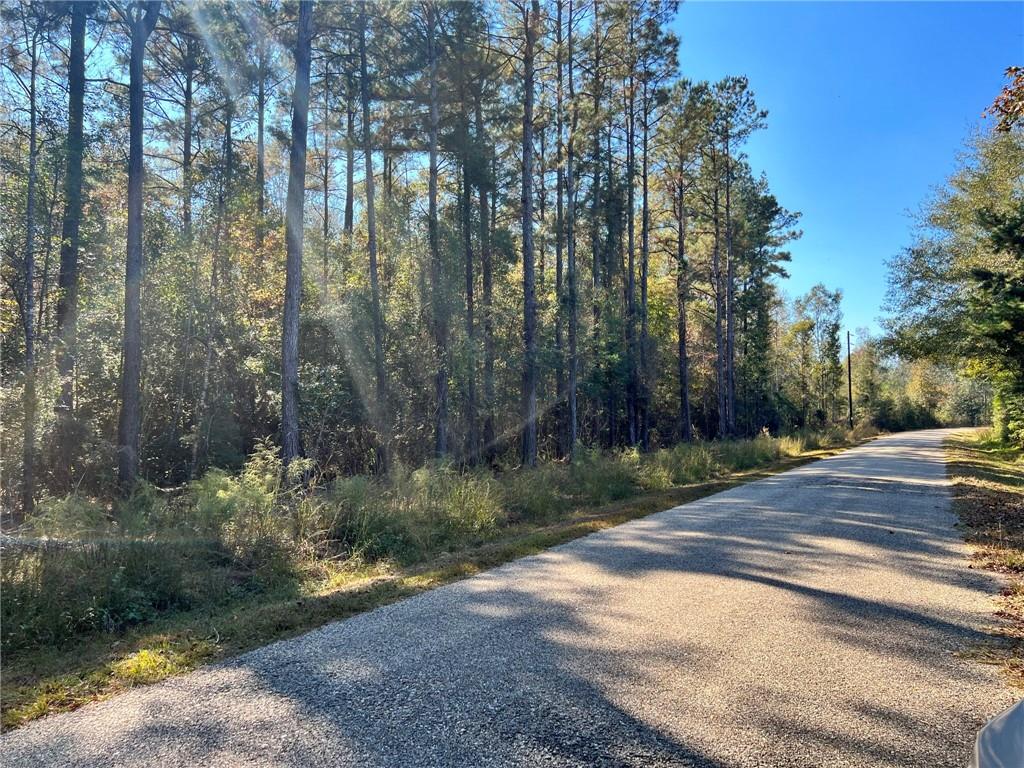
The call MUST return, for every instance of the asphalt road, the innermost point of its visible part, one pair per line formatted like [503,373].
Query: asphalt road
[809,619]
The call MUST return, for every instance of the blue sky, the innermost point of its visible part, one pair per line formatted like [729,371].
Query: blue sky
[868,105]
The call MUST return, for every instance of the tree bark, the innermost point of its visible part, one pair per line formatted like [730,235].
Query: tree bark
[67,280]
[261,108]
[291,438]
[720,351]
[529,397]
[632,390]
[379,411]
[570,239]
[562,421]
[326,224]
[130,420]
[487,277]
[645,250]
[349,161]
[682,290]
[436,267]
[28,297]
[730,296]
[465,209]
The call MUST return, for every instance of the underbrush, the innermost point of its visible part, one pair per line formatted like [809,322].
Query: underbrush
[988,492]
[84,567]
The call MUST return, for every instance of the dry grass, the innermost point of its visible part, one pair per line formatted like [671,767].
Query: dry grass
[988,489]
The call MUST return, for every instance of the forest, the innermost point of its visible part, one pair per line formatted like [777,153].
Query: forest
[386,234]
[363,282]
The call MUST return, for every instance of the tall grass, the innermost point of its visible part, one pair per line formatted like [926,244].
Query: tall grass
[229,535]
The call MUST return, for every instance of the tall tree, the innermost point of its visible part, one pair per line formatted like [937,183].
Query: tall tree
[438,299]
[32,24]
[657,63]
[530,15]
[737,117]
[68,279]
[379,408]
[291,439]
[141,18]
[680,138]
[570,237]
[485,185]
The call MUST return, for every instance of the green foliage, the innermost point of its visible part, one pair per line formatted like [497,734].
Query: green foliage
[51,593]
[228,535]
[957,295]
[70,517]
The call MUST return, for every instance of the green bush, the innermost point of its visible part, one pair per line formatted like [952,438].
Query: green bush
[51,593]
[248,512]
[70,517]
[748,454]
[360,521]
[598,477]
[537,495]
[230,534]
[689,463]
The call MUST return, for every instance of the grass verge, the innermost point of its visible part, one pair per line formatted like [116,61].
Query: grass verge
[988,497]
[48,680]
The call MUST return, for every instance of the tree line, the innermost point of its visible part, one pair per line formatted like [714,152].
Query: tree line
[480,233]
[957,294]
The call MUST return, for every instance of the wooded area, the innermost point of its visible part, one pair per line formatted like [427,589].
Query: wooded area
[567,246]
[310,306]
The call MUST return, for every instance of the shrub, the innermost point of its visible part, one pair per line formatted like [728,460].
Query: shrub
[600,477]
[689,463]
[536,495]
[360,521]
[51,593]
[70,517]
[248,511]
[748,454]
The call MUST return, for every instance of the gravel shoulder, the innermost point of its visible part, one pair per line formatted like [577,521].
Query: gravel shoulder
[812,618]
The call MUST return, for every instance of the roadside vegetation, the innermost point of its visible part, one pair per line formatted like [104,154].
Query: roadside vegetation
[107,597]
[988,482]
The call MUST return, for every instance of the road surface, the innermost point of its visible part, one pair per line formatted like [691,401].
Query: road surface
[809,619]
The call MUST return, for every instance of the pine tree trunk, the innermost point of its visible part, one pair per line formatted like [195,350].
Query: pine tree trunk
[632,392]
[472,440]
[561,420]
[529,446]
[436,267]
[291,438]
[595,211]
[326,224]
[682,289]
[67,280]
[645,250]
[570,239]
[487,276]
[730,297]
[379,410]
[716,273]
[130,420]
[349,163]
[28,298]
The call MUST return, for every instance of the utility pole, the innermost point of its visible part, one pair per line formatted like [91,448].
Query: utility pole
[849,378]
